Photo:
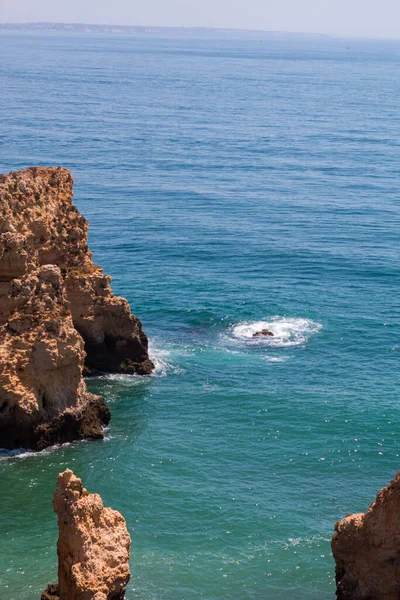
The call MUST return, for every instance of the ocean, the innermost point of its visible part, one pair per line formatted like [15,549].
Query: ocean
[230,184]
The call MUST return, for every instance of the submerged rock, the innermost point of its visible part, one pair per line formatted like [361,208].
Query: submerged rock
[265,332]
[58,316]
[366,548]
[93,545]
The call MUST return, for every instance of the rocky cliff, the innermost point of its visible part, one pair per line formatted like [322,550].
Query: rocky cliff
[40,224]
[43,398]
[366,548]
[58,316]
[93,545]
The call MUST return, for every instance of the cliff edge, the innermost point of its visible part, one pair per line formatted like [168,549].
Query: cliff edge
[58,316]
[366,548]
[36,204]
[43,398]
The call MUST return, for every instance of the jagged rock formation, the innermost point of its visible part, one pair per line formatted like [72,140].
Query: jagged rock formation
[58,316]
[36,204]
[366,548]
[114,339]
[93,545]
[43,398]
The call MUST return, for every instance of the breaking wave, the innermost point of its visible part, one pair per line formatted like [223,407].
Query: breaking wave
[287,332]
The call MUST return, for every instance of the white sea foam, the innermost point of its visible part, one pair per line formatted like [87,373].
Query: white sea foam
[22,453]
[163,364]
[287,332]
[306,541]
[161,360]
[19,453]
[165,360]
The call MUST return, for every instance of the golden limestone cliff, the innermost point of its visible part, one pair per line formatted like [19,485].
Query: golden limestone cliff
[43,398]
[58,316]
[366,548]
[93,545]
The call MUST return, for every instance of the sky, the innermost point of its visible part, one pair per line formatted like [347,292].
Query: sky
[361,18]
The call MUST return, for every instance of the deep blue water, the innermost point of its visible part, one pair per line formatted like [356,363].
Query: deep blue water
[228,184]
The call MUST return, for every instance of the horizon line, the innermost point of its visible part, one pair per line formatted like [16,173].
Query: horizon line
[20,24]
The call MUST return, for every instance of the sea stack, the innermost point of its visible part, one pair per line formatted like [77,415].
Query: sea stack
[366,548]
[58,316]
[93,545]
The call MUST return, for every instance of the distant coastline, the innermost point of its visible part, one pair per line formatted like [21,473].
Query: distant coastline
[143,30]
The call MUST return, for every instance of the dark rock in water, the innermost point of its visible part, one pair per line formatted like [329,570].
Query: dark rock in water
[265,332]
[87,423]
[52,592]
[366,549]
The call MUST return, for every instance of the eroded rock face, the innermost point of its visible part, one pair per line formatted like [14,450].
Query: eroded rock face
[366,548]
[114,339]
[58,316]
[93,545]
[40,224]
[43,398]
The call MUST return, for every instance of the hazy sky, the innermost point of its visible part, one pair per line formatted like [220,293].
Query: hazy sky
[377,18]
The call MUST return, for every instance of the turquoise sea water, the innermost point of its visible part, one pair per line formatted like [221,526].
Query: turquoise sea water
[229,184]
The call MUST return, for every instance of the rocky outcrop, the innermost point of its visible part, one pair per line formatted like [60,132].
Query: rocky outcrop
[114,339]
[40,224]
[93,545]
[43,398]
[366,548]
[58,316]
